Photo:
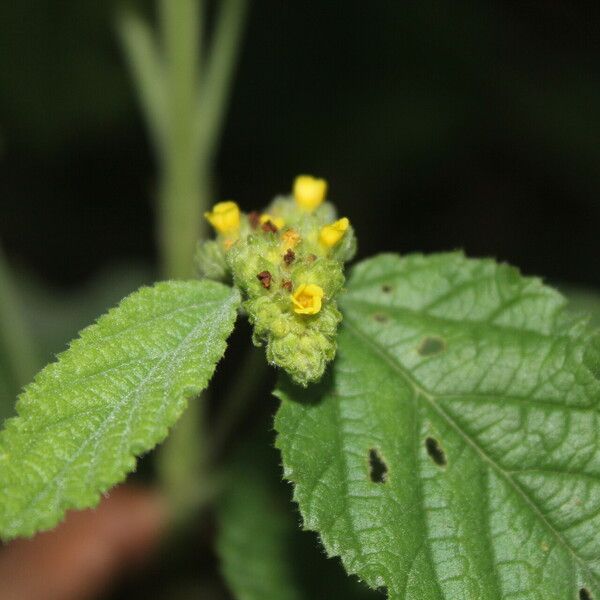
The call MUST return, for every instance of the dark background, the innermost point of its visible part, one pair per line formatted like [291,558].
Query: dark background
[439,125]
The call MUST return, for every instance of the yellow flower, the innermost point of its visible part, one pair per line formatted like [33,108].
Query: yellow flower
[224,217]
[309,191]
[307,299]
[277,221]
[331,234]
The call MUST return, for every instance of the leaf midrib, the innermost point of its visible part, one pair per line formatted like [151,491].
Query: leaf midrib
[78,380]
[463,322]
[430,398]
[110,417]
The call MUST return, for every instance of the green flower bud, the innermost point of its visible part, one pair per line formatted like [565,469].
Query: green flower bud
[326,273]
[288,262]
[210,261]
[345,250]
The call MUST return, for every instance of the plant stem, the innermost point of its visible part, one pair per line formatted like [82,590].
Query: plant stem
[147,70]
[216,84]
[246,385]
[182,464]
[184,110]
[15,336]
[180,209]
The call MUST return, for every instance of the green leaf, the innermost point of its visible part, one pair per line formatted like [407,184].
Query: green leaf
[583,300]
[6,391]
[263,553]
[57,317]
[453,451]
[111,396]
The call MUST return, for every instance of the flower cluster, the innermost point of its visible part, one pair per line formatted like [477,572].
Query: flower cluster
[288,262]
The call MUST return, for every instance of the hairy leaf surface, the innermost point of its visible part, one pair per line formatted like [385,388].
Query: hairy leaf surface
[453,451]
[263,553]
[56,318]
[111,396]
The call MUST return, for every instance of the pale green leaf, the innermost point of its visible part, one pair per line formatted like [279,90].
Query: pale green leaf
[6,391]
[111,396]
[56,317]
[453,452]
[263,553]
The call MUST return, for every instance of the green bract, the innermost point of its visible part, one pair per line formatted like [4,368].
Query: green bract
[113,395]
[453,452]
[269,260]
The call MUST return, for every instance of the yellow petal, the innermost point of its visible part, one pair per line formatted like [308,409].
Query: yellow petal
[224,217]
[307,299]
[309,191]
[331,234]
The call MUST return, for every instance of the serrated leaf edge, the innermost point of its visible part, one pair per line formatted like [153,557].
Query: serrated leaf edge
[130,455]
[574,326]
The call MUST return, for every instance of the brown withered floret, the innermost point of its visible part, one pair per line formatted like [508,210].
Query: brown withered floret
[269,226]
[289,256]
[290,238]
[265,278]
[286,284]
[254,219]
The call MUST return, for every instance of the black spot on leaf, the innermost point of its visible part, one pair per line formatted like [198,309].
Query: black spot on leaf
[435,452]
[584,594]
[386,289]
[380,317]
[378,468]
[431,345]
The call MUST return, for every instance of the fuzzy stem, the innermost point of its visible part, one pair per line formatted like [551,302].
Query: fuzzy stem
[219,72]
[244,389]
[180,200]
[184,110]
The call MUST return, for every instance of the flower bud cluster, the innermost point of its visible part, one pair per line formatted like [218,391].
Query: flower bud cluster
[288,261]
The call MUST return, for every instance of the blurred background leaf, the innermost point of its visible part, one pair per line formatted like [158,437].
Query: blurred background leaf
[6,391]
[440,125]
[55,317]
[264,554]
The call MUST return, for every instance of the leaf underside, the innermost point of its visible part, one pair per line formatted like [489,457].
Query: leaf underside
[111,396]
[453,450]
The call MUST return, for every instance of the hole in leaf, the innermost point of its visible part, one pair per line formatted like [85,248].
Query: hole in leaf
[431,345]
[435,452]
[380,317]
[386,288]
[378,468]
[584,594]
